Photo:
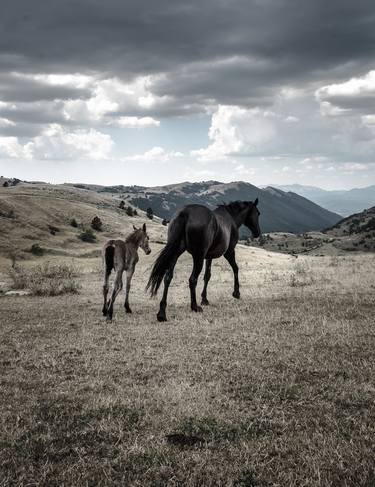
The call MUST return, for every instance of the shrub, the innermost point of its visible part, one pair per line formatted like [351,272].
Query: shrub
[135,212]
[96,224]
[46,279]
[149,213]
[53,230]
[87,236]
[165,222]
[36,249]
[122,205]
[73,223]
[129,211]
[6,184]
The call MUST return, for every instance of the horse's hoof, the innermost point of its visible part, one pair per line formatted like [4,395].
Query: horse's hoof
[104,311]
[205,302]
[236,294]
[161,318]
[109,319]
[128,310]
[197,309]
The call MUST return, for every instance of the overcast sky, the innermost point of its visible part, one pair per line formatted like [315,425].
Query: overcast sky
[154,92]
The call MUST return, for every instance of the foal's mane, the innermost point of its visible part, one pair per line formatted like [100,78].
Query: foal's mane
[133,237]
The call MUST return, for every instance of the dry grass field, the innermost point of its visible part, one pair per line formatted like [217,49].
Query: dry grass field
[276,389]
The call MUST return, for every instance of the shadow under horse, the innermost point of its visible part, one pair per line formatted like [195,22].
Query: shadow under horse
[205,234]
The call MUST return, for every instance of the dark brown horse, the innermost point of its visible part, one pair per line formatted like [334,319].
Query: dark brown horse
[205,234]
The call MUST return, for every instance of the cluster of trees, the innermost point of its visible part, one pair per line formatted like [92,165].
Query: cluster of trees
[128,209]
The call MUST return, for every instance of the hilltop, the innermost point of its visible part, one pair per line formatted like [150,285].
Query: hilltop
[42,213]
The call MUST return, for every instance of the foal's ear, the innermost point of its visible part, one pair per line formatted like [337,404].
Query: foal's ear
[144,227]
[256,202]
[135,228]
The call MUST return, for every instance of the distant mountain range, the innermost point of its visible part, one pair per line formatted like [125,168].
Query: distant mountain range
[343,202]
[280,210]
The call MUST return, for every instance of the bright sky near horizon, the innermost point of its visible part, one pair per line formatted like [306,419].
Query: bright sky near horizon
[145,92]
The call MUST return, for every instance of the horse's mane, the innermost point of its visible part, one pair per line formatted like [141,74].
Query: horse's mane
[232,205]
[132,238]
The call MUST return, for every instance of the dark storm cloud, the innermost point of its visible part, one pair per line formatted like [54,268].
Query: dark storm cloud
[286,41]
[16,87]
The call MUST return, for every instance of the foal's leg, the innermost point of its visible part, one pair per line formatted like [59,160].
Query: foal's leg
[231,258]
[207,277]
[197,267]
[117,286]
[105,289]
[161,316]
[129,275]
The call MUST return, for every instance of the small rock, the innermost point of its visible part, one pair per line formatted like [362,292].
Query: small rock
[18,292]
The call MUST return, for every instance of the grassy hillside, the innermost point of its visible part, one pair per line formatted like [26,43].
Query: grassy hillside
[28,211]
[276,389]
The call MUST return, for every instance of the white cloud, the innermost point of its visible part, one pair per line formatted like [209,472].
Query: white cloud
[55,142]
[4,122]
[137,122]
[236,131]
[156,154]
[291,119]
[11,148]
[355,95]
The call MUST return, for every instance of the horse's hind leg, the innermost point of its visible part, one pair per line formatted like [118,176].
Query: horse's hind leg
[197,267]
[105,290]
[117,286]
[207,277]
[161,316]
[129,275]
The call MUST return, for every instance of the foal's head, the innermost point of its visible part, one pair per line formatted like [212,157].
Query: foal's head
[143,238]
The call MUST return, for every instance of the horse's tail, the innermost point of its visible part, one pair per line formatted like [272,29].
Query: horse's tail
[170,251]
[108,255]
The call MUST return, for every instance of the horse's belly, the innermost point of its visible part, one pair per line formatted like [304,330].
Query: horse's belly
[217,251]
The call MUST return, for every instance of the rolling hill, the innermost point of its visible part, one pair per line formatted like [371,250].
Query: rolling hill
[42,213]
[343,202]
[358,231]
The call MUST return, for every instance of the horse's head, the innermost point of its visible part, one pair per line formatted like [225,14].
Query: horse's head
[252,218]
[144,239]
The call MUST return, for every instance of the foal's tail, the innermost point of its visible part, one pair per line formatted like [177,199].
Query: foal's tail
[108,255]
[166,256]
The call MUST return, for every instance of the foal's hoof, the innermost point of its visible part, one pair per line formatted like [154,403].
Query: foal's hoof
[205,302]
[197,309]
[236,294]
[128,310]
[108,319]
[161,317]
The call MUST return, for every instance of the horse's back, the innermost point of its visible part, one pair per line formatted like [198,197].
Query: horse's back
[199,227]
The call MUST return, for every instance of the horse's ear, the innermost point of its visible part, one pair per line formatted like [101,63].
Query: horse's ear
[256,202]
[135,228]
[144,227]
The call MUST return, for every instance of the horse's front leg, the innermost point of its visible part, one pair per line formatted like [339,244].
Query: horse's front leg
[207,277]
[129,275]
[231,258]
